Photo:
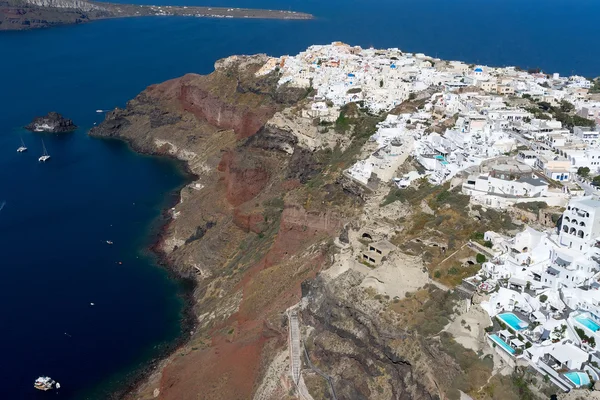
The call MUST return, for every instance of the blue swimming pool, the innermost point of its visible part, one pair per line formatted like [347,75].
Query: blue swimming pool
[587,322]
[442,160]
[513,321]
[578,378]
[502,344]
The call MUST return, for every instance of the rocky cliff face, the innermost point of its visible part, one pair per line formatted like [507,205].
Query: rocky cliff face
[355,345]
[53,123]
[259,219]
[72,4]
[28,14]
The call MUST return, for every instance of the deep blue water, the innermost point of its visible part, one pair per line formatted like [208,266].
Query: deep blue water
[57,216]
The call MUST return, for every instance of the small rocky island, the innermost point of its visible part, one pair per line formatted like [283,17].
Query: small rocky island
[29,14]
[53,122]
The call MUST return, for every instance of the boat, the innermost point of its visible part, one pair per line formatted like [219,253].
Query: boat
[99,111]
[22,148]
[45,157]
[109,242]
[45,383]
[57,385]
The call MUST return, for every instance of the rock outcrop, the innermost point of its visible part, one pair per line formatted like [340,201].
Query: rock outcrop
[69,4]
[53,122]
[29,14]
[260,219]
[354,344]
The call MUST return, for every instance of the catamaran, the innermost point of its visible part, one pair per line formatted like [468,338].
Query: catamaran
[45,157]
[45,383]
[22,148]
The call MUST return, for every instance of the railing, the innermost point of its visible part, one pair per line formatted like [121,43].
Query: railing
[321,373]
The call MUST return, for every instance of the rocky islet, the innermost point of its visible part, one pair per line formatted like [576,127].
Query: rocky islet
[53,122]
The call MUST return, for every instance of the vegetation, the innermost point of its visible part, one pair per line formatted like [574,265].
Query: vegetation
[583,172]
[342,123]
[563,113]
[426,311]
[480,258]
[449,227]
[534,206]
[581,333]
[360,125]
[475,371]
[595,86]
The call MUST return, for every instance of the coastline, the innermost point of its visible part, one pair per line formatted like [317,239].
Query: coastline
[188,322]
[232,231]
[19,16]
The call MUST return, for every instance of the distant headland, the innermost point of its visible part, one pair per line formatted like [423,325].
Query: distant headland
[30,14]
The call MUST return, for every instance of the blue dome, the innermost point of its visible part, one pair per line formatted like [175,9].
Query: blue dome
[478,69]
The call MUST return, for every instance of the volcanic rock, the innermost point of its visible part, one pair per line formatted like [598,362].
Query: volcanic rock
[53,122]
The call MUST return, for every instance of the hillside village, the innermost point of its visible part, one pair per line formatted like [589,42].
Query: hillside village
[514,141]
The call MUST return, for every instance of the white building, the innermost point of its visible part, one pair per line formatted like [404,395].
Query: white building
[580,223]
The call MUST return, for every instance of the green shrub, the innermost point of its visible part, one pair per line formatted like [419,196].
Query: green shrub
[477,236]
[480,258]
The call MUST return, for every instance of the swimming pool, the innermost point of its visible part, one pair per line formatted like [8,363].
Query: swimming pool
[578,378]
[502,344]
[513,321]
[587,322]
[442,160]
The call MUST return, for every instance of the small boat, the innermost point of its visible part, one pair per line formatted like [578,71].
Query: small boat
[109,242]
[57,385]
[99,111]
[44,383]
[22,148]
[45,157]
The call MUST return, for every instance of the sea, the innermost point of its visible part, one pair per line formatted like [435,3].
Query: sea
[91,314]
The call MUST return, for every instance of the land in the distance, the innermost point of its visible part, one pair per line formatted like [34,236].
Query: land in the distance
[29,14]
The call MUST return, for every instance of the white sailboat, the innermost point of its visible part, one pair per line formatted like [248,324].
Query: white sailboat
[22,148]
[45,157]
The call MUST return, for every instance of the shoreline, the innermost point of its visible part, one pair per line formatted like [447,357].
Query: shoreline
[20,16]
[188,321]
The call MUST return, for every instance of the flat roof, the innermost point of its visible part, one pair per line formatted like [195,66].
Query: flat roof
[533,181]
[589,202]
[384,245]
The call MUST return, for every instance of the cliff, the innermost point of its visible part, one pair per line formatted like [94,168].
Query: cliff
[72,4]
[53,122]
[29,14]
[240,230]
[269,225]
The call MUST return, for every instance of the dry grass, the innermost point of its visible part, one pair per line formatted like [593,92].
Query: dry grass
[450,227]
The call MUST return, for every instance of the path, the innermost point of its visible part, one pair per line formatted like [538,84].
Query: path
[296,354]
[295,362]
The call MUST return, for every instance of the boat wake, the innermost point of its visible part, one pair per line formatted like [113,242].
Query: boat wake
[2,205]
